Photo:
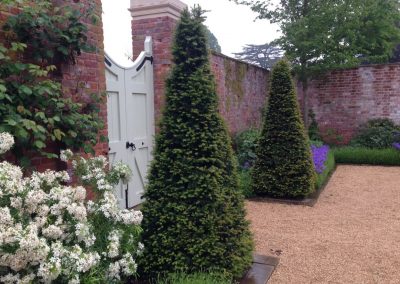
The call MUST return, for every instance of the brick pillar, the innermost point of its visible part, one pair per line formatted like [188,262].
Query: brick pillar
[158,19]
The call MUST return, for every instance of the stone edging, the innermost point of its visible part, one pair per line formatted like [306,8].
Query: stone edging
[308,201]
[261,269]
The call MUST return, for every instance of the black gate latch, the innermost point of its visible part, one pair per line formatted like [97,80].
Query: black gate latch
[130,145]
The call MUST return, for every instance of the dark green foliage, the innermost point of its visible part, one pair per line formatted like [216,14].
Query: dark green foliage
[245,183]
[263,55]
[366,156]
[284,167]
[212,40]
[313,129]
[329,168]
[246,145]
[196,278]
[194,218]
[377,134]
[54,34]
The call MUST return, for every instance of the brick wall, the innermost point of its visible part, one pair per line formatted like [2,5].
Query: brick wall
[78,81]
[242,89]
[344,99]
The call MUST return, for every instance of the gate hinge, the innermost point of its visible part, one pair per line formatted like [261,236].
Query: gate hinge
[150,58]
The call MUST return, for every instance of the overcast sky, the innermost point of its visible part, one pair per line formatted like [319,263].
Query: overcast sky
[233,25]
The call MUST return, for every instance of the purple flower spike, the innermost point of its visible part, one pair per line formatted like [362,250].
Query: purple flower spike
[320,155]
[396,145]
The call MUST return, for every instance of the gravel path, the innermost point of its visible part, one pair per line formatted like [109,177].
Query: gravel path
[352,235]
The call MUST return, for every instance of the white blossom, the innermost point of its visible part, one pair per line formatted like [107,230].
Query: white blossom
[53,232]
[6,142]
[52,228]
[113,245]
[66,155]
[113,272]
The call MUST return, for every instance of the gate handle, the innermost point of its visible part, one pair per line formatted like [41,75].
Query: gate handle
[130,145]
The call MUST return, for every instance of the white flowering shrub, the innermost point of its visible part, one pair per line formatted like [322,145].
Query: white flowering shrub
[49,232]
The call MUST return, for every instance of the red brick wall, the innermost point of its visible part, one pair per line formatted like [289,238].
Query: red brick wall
[80,80]
[344,99]
[242,89]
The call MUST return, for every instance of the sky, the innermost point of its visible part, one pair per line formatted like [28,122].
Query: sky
[232,24]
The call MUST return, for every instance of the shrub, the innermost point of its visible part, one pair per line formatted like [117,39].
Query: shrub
[376,133]
[246,145]
[367,156]
[50,233]
[332,137]
[194,217]
[283,167]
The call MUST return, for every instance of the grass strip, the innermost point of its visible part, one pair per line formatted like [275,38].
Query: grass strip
[366,156]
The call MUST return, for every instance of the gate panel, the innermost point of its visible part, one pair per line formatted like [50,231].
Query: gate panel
[131,120]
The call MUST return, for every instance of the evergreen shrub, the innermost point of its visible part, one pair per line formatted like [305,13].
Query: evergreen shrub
[194,217]
[284,167]
[377,134]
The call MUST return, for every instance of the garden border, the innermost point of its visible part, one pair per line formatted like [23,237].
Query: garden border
[261,270]
[308,201]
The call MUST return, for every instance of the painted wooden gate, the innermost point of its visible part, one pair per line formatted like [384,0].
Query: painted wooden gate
[130,106]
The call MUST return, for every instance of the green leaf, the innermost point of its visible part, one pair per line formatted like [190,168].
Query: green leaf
[41,115]
[41,129]
[26,90]
[20,66]
[58,134]
[39,144]
[11,122]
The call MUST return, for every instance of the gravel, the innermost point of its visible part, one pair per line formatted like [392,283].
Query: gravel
[352,235]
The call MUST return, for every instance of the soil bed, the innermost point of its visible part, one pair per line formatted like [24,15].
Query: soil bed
[350,236]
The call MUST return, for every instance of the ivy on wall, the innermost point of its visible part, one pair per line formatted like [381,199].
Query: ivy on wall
[33,108]
[234,79]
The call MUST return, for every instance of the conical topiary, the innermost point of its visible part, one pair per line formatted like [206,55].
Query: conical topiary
[284,167]
[194,217]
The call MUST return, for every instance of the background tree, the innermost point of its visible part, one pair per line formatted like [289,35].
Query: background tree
[212,40]
[284,167]
[194,218]
[321,35]
[263,55]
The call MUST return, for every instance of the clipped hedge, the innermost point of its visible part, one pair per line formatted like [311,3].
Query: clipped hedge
[367,156]
[284,167]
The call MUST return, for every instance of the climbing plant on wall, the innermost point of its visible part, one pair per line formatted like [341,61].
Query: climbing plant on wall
[38,41]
